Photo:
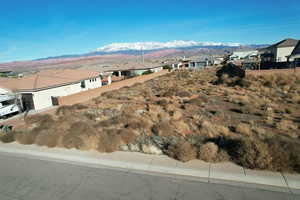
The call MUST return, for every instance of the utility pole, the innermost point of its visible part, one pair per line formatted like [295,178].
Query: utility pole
[142,56]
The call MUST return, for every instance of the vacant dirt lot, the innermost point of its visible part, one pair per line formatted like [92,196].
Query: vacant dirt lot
[252,121]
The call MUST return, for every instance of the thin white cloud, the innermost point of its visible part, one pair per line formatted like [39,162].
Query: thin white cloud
[159,45]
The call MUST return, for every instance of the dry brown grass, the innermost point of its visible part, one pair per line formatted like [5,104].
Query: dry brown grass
[250,153]
[286,125]
[163,129]
[208,152]
[187,115]
[243,129]
[182,151]
[285,154]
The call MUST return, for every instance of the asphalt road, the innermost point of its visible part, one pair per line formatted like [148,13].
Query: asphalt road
[32,179]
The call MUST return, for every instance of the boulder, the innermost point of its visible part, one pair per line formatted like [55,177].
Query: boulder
[151,149]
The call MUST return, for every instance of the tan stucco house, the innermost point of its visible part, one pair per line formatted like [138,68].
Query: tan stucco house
[42,90]
[279,52]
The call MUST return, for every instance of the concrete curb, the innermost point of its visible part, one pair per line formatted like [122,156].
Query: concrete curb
[223,173]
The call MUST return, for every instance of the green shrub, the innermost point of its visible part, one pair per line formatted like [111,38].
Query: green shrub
[7,137]
[147,72]
[168,67]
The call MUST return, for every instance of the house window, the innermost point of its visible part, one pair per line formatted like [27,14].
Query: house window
[82,84]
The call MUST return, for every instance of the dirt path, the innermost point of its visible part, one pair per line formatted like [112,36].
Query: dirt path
[82,97]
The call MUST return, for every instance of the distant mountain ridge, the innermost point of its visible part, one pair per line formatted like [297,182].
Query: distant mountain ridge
[115,54]
[160,45]
[146,48]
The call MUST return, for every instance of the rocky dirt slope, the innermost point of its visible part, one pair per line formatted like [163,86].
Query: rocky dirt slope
[252,121]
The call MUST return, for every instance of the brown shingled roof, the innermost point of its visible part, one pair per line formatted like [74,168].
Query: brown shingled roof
[47,79]
[285,43]
[296,51]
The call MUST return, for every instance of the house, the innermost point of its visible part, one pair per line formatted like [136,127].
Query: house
[218,60]
[135,71]
[279,52]
[295,56]
[141,71]
[5,73]
[238,55]
[43,89]
[201,64]
[183,64]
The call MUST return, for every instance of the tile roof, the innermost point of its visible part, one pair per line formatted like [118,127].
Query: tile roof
[47,79]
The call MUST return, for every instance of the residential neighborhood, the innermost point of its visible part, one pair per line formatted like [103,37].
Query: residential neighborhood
[44,89]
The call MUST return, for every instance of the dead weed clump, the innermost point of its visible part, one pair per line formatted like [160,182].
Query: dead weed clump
[40,124]
[26,137]
[208,129]
[243,129]
[208,152]
[79,136]
[47,137]
[64,110]
[182,151]
[286,125]
[183,93]
[109,141]
[163,129]
[285,153]
[7,137]
[248,152]
[45,120]
[128,135]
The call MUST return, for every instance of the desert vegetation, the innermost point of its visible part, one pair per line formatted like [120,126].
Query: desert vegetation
[253,121]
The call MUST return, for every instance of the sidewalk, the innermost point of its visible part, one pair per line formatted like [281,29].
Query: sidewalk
[223,173]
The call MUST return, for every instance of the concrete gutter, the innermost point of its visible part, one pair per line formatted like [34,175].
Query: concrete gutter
[222,173]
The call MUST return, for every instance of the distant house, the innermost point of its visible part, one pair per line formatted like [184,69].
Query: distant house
[141,71]
[238,55]
[201,64]
[43,89]
[218,60]
[295,56]
[6,73]
[184,64]
[278,52]
[134,71]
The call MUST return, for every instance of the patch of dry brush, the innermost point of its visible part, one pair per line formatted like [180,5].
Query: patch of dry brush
[253,121]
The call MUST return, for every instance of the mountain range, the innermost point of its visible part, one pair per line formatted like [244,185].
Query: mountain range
[120,52]
[137,48]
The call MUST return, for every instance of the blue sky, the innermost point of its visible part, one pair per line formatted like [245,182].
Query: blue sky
[32,29]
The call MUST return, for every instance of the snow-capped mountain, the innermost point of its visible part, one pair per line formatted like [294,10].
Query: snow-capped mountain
[160,45]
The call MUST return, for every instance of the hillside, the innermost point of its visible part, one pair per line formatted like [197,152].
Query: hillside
[253,121]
